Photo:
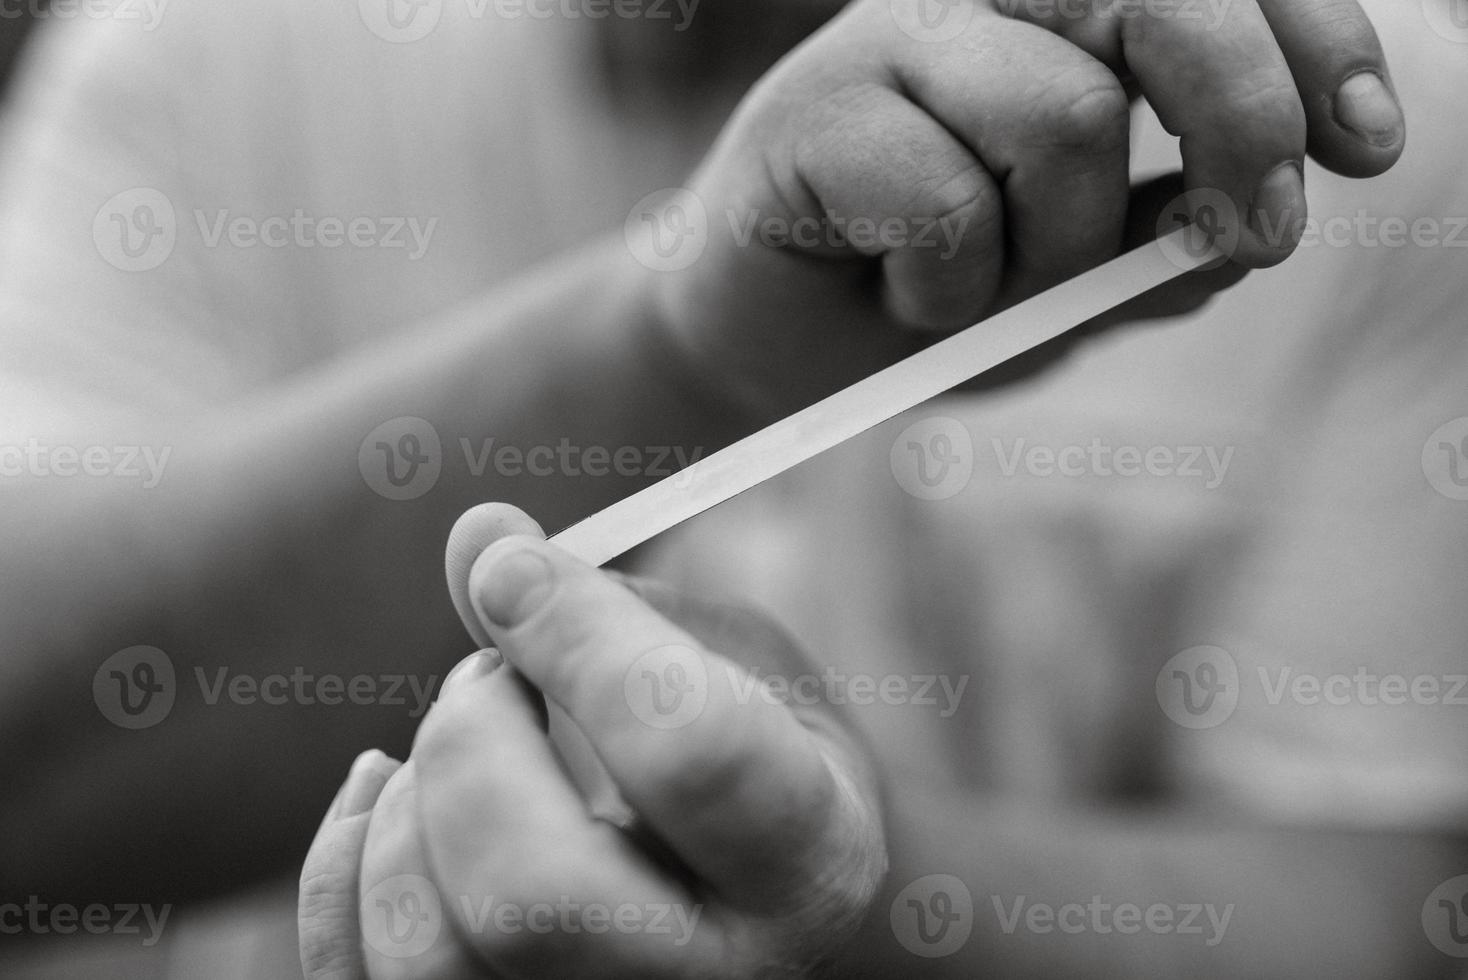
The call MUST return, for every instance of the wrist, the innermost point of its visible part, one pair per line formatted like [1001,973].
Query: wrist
[662,336]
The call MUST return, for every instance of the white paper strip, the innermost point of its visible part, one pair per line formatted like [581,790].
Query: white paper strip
[873,400]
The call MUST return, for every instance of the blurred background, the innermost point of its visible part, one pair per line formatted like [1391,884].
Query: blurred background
[1320,534]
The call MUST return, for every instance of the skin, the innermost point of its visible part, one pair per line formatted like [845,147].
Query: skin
[1012,125]
[784,867]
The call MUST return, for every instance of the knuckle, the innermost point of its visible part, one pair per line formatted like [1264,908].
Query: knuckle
[719,770]
[937,309]
[322,918]
[321,892]
[585,622]
[1341,29]
[1083,109]
[967,194]
[1267,92]
[1268,104]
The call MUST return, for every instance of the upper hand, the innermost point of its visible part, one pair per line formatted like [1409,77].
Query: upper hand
[992,136]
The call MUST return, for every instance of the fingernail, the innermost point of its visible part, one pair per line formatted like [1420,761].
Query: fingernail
[515,586]
[1278,210]
[473,666]
[1365,106]
[361,789]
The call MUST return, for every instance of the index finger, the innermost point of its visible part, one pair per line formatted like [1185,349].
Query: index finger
[1356,124]
[1219,80]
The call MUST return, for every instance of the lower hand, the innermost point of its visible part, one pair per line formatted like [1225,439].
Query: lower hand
[760,842]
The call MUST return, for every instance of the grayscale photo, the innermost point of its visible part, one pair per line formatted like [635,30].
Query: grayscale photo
[733,489]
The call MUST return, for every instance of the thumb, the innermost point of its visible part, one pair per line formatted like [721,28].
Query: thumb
[479,528]
[475,531]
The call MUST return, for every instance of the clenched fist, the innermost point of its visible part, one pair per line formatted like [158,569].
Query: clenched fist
[918,163]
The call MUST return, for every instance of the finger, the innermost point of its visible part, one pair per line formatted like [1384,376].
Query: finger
[1155,209]
[1356,123]
[477,529]
[1152,202]
[731,782]
[1051,125]
[751,640]
[900,186]
[535,882]
[1218,79]
[403,914]
[330,940]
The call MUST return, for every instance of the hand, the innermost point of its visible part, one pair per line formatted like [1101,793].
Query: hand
[996,160]
[760,845]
